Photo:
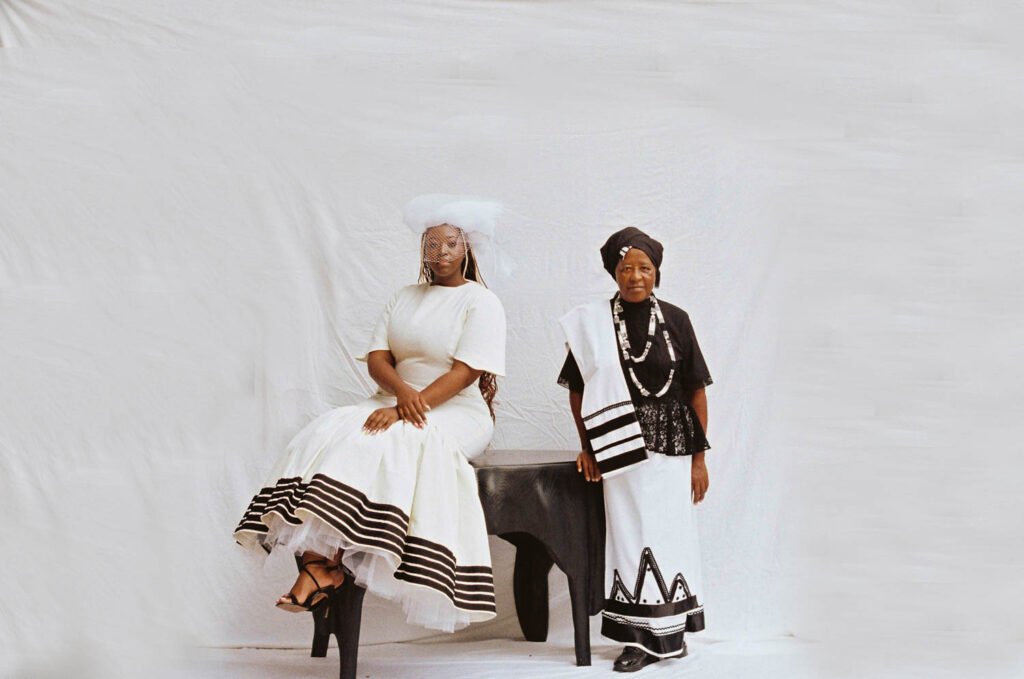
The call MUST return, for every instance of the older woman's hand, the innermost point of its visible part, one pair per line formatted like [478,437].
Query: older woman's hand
[587,464]
[698,477]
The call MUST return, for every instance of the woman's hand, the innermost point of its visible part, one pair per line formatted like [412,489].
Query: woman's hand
[698,478]
[379,420]
[587,463]
[412,407]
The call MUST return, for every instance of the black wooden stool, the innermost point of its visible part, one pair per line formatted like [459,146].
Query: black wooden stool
[536,500]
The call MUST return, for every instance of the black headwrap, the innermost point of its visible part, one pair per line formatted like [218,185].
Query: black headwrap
[631,237]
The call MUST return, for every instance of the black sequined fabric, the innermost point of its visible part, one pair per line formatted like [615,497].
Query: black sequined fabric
[670,427]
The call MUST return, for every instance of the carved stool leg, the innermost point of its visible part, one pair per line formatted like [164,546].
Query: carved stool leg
[579,597]
[530,585]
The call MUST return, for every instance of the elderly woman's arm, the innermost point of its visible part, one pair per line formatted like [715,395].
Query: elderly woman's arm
[585,461]
[698,470]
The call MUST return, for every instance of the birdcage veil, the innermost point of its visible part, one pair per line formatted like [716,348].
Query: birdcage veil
[474,221]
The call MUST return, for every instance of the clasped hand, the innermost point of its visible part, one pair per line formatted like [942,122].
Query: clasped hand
[411,407]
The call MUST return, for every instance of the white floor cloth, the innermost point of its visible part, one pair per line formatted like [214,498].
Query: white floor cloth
[503,659]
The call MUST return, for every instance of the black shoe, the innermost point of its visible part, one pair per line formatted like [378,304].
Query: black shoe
[633,659]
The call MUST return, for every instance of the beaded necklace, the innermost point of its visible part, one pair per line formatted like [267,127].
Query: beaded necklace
[656,318]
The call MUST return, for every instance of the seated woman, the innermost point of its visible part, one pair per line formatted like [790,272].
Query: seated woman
[636,381]
[382,491]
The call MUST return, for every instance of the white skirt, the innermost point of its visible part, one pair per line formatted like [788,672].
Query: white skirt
[402,505]
[652,557]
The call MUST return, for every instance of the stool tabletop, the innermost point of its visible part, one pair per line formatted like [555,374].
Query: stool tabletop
[522,458]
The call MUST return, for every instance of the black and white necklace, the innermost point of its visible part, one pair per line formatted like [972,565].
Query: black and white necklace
[656,318]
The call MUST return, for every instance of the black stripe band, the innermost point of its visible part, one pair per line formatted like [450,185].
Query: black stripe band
[622,460]
[442,584]
[611,425]
[469,606]
[349,534]
[612,445]
[372,506]
[659,645]
[651,610]
[341,511]
[354,523]
[337,501]
[470,583]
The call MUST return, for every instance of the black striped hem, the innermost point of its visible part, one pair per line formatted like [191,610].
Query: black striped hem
[485,606]
[661,645]
[341,508]
[333,504]
[651,610]
[373,525]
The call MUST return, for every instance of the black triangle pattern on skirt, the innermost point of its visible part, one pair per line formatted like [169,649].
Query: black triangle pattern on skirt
[648,563]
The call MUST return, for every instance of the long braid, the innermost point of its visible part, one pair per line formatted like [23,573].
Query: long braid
[488,381]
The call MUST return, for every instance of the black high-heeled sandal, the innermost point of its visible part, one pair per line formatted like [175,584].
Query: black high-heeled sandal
[315,598]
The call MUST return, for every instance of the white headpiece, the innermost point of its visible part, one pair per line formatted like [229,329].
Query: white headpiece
[477,217]
[472,215]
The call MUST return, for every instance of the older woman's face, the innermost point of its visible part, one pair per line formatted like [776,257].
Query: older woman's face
[635,274]
[444,248]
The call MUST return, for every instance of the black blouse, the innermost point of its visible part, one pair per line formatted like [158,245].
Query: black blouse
[669,424]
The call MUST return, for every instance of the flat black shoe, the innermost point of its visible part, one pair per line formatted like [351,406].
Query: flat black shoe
[633,659]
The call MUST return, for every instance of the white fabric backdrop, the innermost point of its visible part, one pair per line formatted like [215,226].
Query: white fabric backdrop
[200,221]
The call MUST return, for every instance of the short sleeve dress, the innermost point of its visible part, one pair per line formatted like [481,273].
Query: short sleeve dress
[401,504]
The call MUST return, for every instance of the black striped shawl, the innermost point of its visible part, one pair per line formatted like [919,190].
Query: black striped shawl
[608,415]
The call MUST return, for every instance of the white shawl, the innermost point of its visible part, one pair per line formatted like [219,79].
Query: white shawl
[608,414]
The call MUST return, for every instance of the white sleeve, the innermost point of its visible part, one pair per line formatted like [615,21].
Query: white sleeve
[482,343]
[379,339]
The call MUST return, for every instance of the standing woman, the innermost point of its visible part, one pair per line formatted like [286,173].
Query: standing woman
[382,491]
[636,381]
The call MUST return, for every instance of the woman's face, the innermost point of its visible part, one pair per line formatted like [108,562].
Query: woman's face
[635,274]
[444,248]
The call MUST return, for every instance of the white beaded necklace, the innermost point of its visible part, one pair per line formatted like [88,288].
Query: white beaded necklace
[656,318]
